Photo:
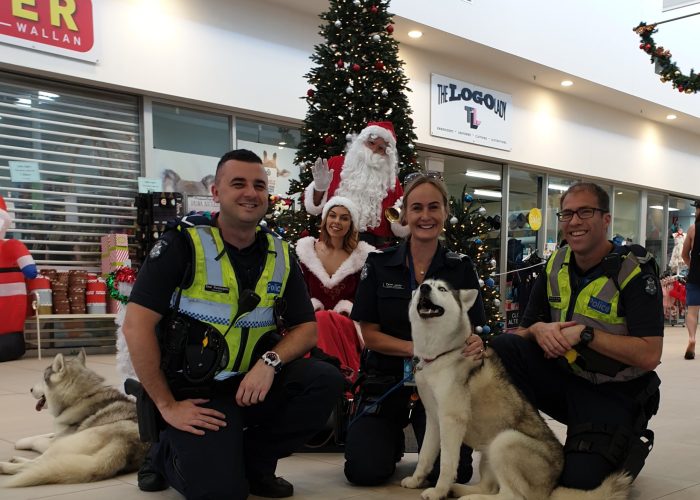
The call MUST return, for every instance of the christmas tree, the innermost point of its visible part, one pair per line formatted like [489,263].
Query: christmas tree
[467,232]
[358,78]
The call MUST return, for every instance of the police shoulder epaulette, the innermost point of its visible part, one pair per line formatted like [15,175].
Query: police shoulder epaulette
[642,254]
[194,219]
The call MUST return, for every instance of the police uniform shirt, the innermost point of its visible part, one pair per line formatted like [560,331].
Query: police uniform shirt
[384,293]
[161,274]
[641,302]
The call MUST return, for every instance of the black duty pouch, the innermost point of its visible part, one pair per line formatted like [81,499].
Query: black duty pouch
[206,352]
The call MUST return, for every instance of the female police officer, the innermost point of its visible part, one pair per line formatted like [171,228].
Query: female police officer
[375,439]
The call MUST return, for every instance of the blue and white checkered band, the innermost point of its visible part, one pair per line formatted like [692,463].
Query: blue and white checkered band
[158,249]
[365,270]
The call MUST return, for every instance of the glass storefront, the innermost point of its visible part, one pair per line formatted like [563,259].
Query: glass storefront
[625,220]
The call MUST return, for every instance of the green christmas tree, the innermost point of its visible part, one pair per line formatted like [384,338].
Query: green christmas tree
[358,78]
[467,232]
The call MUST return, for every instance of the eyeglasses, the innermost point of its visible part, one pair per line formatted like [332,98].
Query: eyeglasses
[583,213]
[414,176]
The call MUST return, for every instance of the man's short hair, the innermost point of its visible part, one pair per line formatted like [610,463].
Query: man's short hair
[591,187]
[245,155]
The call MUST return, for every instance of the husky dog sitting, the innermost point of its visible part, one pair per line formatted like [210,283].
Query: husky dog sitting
[95,435]
[473,401]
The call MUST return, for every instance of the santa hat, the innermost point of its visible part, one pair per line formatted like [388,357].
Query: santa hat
[340,201]
[3,207]
[385,130]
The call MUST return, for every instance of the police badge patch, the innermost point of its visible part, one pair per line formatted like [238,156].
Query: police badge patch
[158,249]
[364,272]
[650,285]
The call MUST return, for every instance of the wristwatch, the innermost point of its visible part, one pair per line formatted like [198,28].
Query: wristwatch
[586,337]
[271,358]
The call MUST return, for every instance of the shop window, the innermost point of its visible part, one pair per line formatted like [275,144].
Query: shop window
[69,165]
[655,225]
[187,145]
[556,186]
[681,214]
[276,145]
[625,220]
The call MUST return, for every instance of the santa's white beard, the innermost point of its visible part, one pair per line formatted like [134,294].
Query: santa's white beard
[365,179]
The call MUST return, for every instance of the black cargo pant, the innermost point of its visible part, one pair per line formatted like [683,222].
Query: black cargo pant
[216,466]
[375,442]
[611,415]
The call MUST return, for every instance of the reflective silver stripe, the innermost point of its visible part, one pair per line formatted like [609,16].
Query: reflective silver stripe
[214,274]
[629,373]
[257,318]
[278,273]
[629,264]
[620,329]
[205,310]
[557,264]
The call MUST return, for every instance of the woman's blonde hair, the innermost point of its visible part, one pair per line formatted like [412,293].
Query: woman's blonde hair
[423,179]
[349,240]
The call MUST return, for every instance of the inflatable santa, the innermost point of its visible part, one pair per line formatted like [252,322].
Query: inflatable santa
[16,265]
[367,175]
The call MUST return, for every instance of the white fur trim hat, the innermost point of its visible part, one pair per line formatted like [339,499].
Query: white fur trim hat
[385,130]
[342,202]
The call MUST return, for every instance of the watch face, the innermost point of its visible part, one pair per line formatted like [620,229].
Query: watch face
[271,358]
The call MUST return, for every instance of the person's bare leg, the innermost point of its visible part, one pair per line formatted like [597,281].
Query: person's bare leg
[691,322]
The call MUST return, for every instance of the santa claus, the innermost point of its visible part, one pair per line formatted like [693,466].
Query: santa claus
[367,175]
[16,265]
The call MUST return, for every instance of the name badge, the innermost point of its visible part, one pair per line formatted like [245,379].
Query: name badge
[599,305]
[216,288]
[555,299]
[393,286]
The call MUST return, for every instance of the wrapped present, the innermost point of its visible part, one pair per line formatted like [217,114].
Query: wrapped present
[115,252]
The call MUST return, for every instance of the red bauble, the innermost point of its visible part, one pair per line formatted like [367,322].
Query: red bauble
[641,46]
[328,140]
[647,47]
[310,93]
[304,233]
[390,28]
[680,88]
[340,63]
[373,9]
[356,67]
[379,65]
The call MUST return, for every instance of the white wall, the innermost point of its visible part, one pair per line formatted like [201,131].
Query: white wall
[251,55]
[591,39]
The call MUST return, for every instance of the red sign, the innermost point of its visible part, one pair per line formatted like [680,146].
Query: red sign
[65,24]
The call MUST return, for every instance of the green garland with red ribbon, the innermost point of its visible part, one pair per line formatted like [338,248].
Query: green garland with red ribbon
[690,84]
[121,275]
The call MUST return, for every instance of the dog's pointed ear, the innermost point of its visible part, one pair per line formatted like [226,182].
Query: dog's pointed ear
[468,297]
[264,156]
[58,363]
[82,356]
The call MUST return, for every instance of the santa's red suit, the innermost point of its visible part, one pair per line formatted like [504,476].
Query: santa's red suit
[16,265]
[332,297]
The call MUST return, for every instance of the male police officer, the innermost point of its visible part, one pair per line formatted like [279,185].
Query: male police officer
[206,272]
[589,341]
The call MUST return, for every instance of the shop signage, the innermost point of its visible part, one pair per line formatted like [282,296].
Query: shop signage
[24,171]
[466,112]
[62,27]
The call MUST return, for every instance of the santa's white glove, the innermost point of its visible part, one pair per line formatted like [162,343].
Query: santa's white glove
[322,175]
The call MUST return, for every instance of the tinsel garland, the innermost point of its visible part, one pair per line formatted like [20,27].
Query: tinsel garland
[121,275]
[668,70]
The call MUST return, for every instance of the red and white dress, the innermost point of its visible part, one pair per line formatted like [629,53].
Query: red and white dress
[332,297]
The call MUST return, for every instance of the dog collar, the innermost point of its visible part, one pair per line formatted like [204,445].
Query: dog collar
[425,361]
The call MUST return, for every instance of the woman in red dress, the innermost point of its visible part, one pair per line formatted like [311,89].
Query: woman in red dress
[331,266]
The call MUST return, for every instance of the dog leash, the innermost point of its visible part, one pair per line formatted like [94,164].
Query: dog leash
[368,408]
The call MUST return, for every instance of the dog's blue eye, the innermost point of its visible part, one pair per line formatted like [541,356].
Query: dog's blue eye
[442,288]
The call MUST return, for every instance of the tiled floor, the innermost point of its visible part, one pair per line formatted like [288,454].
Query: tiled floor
[672,471]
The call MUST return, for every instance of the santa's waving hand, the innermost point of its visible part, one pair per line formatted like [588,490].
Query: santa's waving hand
[367,175]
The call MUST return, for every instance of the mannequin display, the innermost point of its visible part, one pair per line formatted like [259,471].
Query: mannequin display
[676,263]
[16,266]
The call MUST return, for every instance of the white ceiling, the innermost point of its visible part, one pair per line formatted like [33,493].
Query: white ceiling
[515,67]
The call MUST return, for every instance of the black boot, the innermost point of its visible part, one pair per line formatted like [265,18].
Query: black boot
[270,487]
[149,479]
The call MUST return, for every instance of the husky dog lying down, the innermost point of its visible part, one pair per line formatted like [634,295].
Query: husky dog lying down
[95,434]
[473,401]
